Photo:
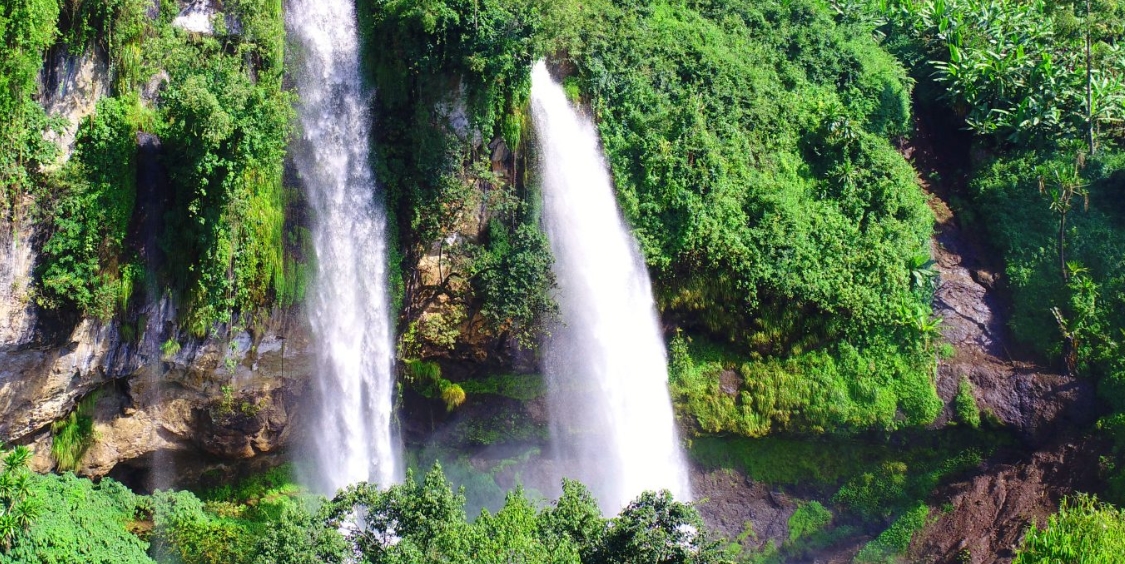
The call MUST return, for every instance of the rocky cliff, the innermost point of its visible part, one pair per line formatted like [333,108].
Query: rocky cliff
[229,397]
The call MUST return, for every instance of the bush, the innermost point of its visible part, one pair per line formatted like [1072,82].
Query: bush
[72,435]
[81,522]
[82,264]
[893,543]
[1083,530]
[809,518]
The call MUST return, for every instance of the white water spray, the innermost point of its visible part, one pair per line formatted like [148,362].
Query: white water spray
[612,425]
[348,308]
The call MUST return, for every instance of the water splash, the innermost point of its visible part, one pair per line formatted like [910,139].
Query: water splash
[354,439]
[611,415]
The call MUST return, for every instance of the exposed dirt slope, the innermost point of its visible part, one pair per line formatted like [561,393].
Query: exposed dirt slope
[991,510]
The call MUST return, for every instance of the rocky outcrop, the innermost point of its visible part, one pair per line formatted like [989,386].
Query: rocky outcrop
[17,263]
[70,87]
[740,508]
[228,397]
[1019,392]
[199,16]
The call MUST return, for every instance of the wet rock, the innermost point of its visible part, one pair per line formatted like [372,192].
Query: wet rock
[731,504]
[198,16]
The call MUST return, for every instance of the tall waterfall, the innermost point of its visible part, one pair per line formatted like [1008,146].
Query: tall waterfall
[348,308]
[611,416]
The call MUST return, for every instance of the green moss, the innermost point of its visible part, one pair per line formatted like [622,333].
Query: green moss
[809,518]
[839,389]
[893,543]
[965,405]
[523,387]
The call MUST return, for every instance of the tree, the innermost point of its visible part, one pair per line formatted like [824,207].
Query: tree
[298,536]
[656,529]
[1065,185]
[576,517]
[410,522]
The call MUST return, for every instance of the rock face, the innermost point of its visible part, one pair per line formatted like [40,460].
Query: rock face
[70,87]
[198,16]
[226,398]
[17,261]
[1032,399]
[232,396]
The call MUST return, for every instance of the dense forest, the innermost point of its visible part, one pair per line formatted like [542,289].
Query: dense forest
[799,174]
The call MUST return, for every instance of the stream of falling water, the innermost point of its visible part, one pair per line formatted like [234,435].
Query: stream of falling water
[354,438]
[612,425]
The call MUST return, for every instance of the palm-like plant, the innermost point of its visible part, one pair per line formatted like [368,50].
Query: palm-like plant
[18,505]
[1065,185]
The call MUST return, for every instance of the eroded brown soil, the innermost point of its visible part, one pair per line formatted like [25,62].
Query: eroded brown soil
[988,514]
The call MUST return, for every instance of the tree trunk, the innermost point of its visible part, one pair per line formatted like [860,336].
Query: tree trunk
[1062,247]
[1089,88]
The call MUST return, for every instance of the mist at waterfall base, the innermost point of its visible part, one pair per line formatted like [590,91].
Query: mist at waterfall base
[612,425]
[353,438]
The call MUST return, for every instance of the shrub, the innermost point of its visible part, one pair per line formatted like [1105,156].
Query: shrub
[809,518]
[72,435]
[453,396]
[965,405]
[893,543]
[1083,530]
[81,522]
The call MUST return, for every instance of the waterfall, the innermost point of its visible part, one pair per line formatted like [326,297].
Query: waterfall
[612,425]
[353,439]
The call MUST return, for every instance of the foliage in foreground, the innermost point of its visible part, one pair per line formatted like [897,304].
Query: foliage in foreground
[270,520]
[427,521]
[65,519]
[1084,530]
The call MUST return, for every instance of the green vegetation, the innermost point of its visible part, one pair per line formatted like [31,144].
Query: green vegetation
[809,518]
[1021,71]
[1084,530]
[428,520]
[965,405]
[814,392]
[437,175]
[84,265]
[74,520]
[522,387]
[27,28]
[228,123]
[750,145]
[73,434]
[18,506]
[892,543]
[1042,87]
[222,112]
[267,519]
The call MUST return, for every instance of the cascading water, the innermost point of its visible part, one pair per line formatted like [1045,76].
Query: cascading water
[611,416]
[354,439]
